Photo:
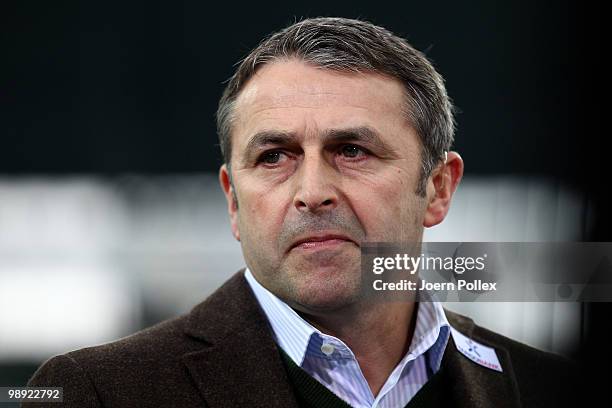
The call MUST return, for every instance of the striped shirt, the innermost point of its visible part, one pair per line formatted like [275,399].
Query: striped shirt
[333,364]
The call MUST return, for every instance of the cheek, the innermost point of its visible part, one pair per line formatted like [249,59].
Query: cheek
[260,215]
[387,207]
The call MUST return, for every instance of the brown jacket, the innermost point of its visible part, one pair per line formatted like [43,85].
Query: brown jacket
[222,354]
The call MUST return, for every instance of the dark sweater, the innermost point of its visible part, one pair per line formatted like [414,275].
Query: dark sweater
[310,393]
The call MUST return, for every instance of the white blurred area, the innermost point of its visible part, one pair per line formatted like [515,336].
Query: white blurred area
[87,260]
[506,209]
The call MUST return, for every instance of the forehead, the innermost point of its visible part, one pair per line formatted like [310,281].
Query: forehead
[294,96]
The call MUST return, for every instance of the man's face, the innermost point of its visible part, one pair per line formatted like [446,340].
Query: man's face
[321,162]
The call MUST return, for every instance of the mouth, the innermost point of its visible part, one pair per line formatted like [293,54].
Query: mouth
[322,241]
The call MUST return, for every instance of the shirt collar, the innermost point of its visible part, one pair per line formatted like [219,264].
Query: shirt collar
[291,332]
[431,333]
[297,337]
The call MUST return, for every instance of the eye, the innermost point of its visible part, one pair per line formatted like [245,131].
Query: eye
[271,157]
[352,151]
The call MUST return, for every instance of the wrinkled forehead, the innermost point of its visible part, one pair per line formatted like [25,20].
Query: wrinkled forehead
[292,96]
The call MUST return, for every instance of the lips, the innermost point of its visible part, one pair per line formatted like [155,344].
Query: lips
[320,241]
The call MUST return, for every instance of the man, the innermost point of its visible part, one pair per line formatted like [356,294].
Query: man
[335,133]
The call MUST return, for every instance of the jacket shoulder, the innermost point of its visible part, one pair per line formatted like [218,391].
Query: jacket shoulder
[524,357]
[538,374]
[63,371]
[520,353]
[166,336]
[112,374]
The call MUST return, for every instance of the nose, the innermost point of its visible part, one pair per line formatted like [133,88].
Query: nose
[316,189]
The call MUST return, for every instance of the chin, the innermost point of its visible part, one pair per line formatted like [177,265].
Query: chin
[320,295]
[323,281]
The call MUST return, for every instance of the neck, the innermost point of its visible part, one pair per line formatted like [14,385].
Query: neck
[379,335]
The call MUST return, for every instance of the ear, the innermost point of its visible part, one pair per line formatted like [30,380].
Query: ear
[230,196]
[440,188]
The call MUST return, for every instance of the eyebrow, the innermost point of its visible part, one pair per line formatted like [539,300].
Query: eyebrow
[363,134]
[266,138]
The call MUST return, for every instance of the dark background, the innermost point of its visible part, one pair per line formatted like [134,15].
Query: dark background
[132,86]
[109,88]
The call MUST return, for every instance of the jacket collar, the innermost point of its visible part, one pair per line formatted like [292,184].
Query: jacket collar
[240,365]
[474,385]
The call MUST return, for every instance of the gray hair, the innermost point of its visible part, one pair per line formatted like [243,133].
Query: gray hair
[342,44]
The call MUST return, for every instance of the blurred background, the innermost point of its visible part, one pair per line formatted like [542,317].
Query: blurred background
[111,217]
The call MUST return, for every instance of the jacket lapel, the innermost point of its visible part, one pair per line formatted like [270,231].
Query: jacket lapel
[239,364]
[472,384]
